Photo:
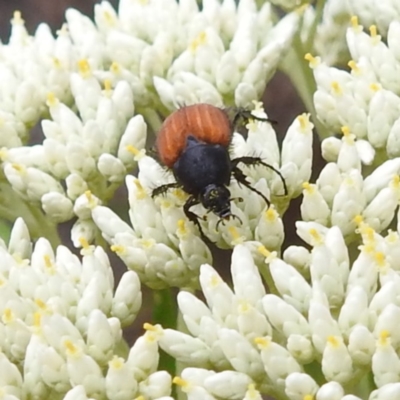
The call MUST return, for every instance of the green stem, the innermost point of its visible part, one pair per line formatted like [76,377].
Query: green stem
[319,8]
[165,314]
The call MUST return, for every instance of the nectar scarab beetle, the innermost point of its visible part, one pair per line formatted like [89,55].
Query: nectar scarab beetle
[194,143]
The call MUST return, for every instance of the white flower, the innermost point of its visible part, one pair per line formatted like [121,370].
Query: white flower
[61,323]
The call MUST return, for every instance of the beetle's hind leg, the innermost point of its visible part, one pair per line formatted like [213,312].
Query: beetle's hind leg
[161,190]
[242,179]
[257,161]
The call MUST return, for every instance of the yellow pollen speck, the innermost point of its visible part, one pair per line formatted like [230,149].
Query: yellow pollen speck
[252,392]
[345,130]
[384,337]
[147,243]
[243,307]
[354,22]
[37,319]
[107,87]
[70,348]
[271,214]
[236,238]
[8,316]
[380,259]
[136,152]
[180,194]
[47,261]
[140,192]
[109,18]
[395,183]
[313,61]
[153,332]
[198,41]
[116,362]
[180,382]
[41,304]
[333,341]
[19,168]
[368,233]
[90,198]
[215,280]
[263,251]
[372,31]
[84,243]
[308,397]
[316,236]
[140,398]
[117,248]
[336,88]
[57,63]
[310,189]
[262,342]
[52,100]
[84,68]
[358,219]
[182,227]
[354,67]
[115,68]
[304,121]
[149,327]
[375,87]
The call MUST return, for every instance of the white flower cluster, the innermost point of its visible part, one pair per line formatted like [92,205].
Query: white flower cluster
[165,249]
[325,314]
[87,154]
[363,104]
[224,53]
[61,326]
[150,56]
[366,100]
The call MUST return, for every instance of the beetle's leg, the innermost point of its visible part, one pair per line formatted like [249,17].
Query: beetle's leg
[191,216]
[164,189]
[257,161]
[246,115]
[242,179]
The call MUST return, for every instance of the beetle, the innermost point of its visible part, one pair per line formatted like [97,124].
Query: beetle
[194,142]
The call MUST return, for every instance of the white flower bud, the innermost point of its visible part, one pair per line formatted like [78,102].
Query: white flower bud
[127,299]
[361,345]
[291,284]
[386,392]
[57,206]
[299,386]
[228,384]
[336,361]
[119,382]
[143,356]
[313,206]
[134,135]
[240,353]
[330,391]
[297,150]
[156,386]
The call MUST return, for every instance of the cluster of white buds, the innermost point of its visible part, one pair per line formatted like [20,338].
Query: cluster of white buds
[30,67]
[324,310]
[366,100]
[164,248]
[79,156]
[223,53]
[61,326]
